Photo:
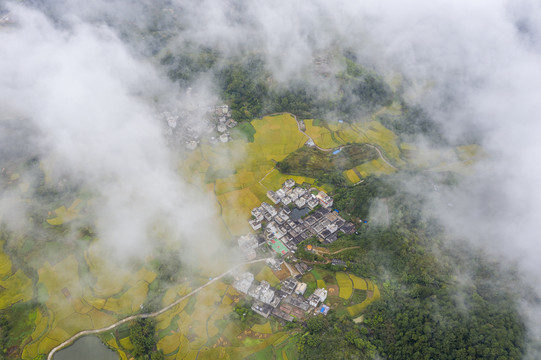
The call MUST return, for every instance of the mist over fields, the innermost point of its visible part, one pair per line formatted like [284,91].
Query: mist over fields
[83,85]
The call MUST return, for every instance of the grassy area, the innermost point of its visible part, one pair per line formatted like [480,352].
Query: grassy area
[247,130]
[16,288]
[374,167]
[267,274]
[315,163]
[322,136]
[263,329]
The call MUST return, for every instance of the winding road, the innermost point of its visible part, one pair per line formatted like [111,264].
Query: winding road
[147,315]
[339,147]
[178,301]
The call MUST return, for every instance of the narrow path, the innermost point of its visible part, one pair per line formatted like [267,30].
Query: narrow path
[338,147]
[381,155]
[207,323]
[147,315]
[263,178]
[303,132]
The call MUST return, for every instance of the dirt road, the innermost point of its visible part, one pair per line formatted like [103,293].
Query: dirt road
[143,316]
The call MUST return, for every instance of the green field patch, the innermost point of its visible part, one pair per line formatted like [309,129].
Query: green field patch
[64,215]
[375,167]
[316,275]
[312,162]
[372,132]
[126,343]
[344,284]
[373,294]
[321,284]
[322,136]
[267,274]
[5,262]
[46,344]
[262,329]
[41,326]
[16,288]
[232,331]
[247,130]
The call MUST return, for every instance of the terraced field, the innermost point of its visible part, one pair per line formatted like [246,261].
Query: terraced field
[242,172]
[345,285]
[374,167]
[352,176]
[355,310]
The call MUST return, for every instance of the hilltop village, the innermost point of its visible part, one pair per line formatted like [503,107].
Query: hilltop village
[298,214]
[215,126]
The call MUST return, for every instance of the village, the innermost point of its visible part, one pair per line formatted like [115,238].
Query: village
[298,214]
[303,213]
[217,121]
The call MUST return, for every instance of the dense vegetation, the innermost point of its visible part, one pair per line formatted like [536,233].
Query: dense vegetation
[414,121]
[425,313]
[334,337]
[248,86]
[143,338]
[318,164]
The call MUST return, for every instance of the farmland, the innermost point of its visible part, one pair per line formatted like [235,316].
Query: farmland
[80,290]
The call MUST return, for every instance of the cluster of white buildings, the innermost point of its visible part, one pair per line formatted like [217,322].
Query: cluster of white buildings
[283,303]
[223,122]
[283,228]
[248,244]
[214,119]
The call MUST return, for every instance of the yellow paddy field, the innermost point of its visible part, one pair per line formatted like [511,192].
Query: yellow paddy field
[248,168]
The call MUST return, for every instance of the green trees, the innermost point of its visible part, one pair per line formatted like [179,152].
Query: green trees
[143,338]
[424,312]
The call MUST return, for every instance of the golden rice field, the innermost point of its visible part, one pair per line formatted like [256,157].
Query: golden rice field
[321,284]
[72,307]
[344,284]
[65,215]
[17,287]
[374,167]
[321,135]
[358,283]
[352,176]
[244,170]
[356,309]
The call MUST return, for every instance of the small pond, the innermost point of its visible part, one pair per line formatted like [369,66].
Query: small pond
[297,213]
[86,348]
